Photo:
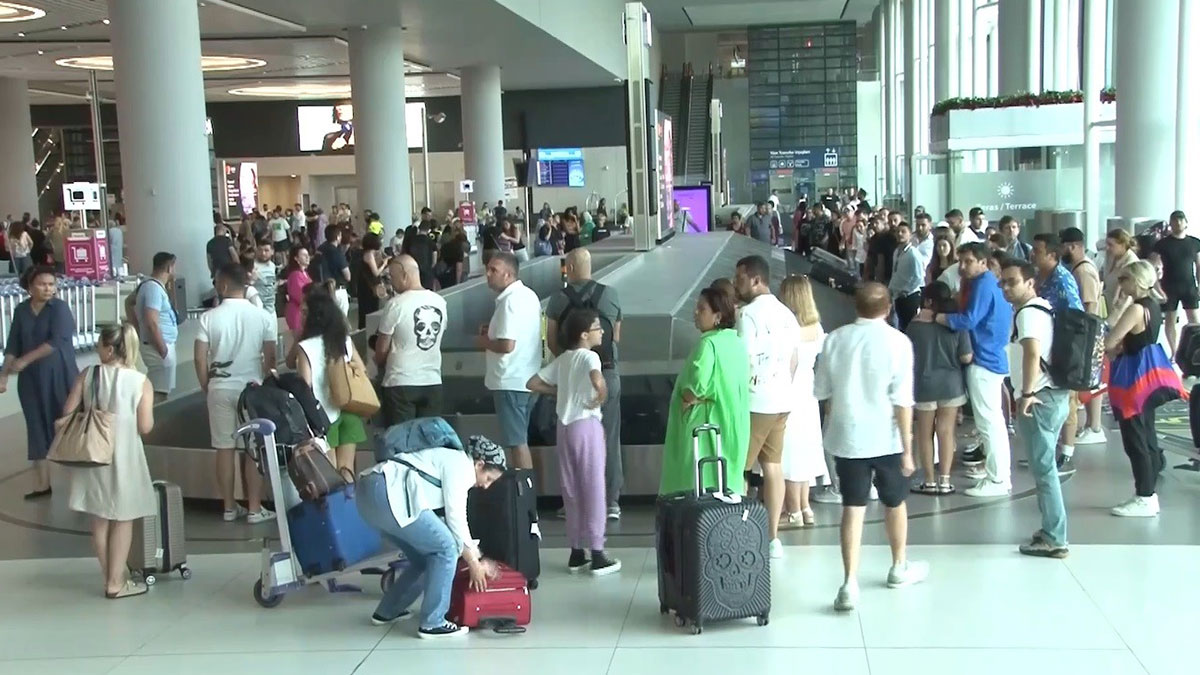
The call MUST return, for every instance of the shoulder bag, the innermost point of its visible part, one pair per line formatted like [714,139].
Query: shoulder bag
[350,389]
[85,437]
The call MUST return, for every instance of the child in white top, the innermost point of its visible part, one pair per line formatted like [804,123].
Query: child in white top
[576,379]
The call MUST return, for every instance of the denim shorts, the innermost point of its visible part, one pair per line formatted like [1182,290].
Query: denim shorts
[512,410]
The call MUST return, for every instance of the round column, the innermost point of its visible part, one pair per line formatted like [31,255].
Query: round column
[160,121]
[380,139]
[483,132]
[1187,110]
[1095,29]
[945,48]
[912,78]
[18,190]
[1146,70]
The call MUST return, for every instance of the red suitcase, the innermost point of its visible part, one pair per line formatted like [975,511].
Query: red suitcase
[504,606]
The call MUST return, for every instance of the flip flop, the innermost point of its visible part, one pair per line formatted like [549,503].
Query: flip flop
[130,589]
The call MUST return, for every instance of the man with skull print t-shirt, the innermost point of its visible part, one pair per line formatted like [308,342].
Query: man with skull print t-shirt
[409,347]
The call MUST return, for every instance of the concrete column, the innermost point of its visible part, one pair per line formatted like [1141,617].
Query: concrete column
[945,50]
[483,132]
[164,149]
[380,141]
[18,189]
[1095,36]
[1147,34]
[1062,41]
[1020,25]
[888,85]
[1187,110]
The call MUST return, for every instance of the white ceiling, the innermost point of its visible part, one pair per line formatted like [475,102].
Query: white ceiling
[304,40]
[682,15]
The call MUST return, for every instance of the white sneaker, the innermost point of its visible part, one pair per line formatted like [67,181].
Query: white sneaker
[827,495]
[989,488]
[847,598]
[1138,507]
[1088,436]
[238,511]
[264,515]
[907,573]
[775,548]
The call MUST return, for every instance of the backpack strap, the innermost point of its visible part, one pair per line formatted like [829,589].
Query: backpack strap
[428,477]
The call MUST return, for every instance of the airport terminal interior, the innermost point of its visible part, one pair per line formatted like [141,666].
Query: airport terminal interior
[687,123]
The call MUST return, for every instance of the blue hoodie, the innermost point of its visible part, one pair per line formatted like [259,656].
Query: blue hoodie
[988,319]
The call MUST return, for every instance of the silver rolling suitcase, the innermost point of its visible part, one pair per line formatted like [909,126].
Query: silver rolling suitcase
[158,541]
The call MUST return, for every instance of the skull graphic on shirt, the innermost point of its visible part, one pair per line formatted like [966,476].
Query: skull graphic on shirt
[427,326]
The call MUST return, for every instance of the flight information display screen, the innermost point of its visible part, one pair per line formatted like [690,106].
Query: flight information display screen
[560,167]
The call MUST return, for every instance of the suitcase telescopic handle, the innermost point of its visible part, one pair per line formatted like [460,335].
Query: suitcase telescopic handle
[260,426]
[722,485]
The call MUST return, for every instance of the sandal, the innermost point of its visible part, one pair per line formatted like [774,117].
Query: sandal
[945,487]
[130,589]
[810,518]
[927,489]
[791,521]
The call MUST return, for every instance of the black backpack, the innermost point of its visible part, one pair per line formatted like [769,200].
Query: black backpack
[314,413]
[277,405]
[588,297]
[1077,351]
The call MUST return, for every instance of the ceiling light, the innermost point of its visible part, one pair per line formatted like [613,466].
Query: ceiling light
[20,35]
[105,22]
[296,90]
[40,52]
[11,11]
[62,27]
[207,63]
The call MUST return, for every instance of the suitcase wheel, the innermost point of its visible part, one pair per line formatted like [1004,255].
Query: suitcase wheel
[697,629]
[680,622]
[532,584]
[150,579]
[185,572]
[764,619]
[266,601]
[662,609]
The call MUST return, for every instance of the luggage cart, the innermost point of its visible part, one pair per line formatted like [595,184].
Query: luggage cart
[281,571]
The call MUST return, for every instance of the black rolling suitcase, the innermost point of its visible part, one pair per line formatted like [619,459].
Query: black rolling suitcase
[505,517]
[713,562]
[833,272]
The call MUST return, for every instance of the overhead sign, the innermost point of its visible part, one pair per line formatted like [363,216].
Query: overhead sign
[81,196]
[466,186]
[804,158]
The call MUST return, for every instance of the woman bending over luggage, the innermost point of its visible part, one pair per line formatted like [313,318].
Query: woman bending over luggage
[117,494]
[576,379]
[399,496]
[325,337]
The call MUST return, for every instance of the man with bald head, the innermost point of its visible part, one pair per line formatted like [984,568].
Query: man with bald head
[865,375]
[409,349]
[583,293]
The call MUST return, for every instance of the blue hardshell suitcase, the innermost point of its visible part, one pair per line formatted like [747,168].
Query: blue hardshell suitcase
[329,534]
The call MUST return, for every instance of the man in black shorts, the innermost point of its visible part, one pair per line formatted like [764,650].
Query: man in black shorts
[1179,257]
[873,363]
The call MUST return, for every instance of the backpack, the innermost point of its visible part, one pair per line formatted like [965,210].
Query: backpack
[275,404]
[416,435]
[1077,351]
[316,419]
[588,297]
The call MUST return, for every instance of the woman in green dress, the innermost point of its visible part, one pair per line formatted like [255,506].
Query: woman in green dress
[714,388]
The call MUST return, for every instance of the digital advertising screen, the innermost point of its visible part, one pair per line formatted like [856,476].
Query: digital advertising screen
[241,188]
[329,129]
[560,167]
[665,165]
[693,213]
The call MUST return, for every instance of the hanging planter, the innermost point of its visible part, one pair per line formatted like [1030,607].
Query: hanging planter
[1021,100]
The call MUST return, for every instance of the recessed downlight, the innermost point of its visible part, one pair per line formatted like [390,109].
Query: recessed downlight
[11,11]
[207,63]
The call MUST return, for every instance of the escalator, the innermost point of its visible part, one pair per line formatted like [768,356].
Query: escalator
[697,139]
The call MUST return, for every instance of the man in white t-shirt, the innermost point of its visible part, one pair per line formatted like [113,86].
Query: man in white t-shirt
[235,346]
[409,347]
[1041,407]
[772,337]
[512,344]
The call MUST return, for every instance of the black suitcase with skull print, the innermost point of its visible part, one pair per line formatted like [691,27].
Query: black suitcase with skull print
[713,563]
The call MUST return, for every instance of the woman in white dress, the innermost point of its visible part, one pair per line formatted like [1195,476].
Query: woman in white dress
[117,494]
[803,451]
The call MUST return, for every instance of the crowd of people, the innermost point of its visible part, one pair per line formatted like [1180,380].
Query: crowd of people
[942,326]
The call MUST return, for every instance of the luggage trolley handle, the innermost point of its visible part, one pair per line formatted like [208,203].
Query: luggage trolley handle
[719,460]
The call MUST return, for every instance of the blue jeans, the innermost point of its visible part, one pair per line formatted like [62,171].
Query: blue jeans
[429,547]
[1040,436]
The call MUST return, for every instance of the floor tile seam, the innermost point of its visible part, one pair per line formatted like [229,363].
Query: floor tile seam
[193,608]
[642,573]
[1067,564]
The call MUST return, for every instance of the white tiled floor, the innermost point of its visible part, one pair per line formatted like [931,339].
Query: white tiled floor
[1106,609]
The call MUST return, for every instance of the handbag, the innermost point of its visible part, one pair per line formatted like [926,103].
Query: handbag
[350,389]
[85,436]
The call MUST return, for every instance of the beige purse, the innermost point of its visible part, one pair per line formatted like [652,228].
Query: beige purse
[85,436]
[350,388]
